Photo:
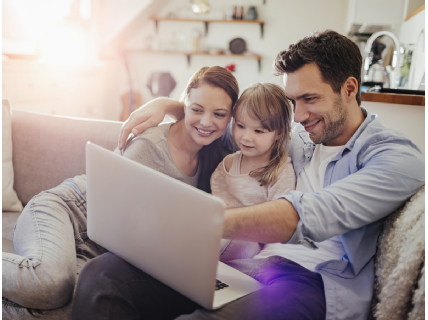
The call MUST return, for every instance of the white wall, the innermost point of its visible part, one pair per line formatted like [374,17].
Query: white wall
[406,118]
[286,22]
[413,32]
[88,91]
[116,15]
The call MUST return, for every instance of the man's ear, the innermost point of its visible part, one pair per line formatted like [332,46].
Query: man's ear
[350,88]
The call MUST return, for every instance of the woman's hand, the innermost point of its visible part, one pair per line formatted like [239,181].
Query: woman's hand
[150,115]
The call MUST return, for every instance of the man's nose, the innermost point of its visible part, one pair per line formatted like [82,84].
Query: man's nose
[301,113]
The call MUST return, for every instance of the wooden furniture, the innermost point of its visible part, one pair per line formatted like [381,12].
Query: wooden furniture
[206,22]
[409,99]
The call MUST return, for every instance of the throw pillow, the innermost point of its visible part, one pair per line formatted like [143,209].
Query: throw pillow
[10,201]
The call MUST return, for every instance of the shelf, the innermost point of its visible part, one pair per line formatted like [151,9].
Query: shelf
[207,22]
[415,100]
[415,12]
[190,54]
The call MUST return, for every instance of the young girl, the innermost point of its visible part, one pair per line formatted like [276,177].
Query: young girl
[261,171]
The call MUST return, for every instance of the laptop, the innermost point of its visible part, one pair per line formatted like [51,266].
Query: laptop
[166,228]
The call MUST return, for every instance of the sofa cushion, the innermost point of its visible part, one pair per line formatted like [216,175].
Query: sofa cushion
[399,291]
[49,149]
[9,219]
[10,201]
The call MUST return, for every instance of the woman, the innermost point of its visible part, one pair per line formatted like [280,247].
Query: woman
[51,231]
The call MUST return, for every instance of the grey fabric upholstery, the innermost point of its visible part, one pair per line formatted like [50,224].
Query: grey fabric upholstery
[49,149]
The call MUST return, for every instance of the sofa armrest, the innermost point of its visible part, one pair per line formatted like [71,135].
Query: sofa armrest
[48,149]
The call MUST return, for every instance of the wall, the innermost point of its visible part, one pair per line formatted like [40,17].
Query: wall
[286,22]
[406,118]
[116,15]
[413,32]
[87,92]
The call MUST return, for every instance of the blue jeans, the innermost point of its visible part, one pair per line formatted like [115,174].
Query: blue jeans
[51,246]
[110,288]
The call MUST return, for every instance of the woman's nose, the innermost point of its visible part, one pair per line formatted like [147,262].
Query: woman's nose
[206,120]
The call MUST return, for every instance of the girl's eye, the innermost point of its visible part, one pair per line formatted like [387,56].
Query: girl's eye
[240,125]
[259,131]
[222,115]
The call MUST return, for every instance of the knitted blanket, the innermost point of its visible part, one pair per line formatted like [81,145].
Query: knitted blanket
[399,291]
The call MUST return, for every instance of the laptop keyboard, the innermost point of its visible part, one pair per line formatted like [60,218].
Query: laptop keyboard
[220,285]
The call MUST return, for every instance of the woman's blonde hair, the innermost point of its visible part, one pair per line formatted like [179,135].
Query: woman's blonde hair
[268,103]
[211,155]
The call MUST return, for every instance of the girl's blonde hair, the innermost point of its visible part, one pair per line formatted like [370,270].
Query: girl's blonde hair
[268,103]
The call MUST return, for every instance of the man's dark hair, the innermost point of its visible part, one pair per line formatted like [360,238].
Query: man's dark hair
[337,56]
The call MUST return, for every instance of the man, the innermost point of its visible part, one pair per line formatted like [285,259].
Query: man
[351,173]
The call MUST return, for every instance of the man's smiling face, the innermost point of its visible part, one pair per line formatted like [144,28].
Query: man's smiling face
[316,106]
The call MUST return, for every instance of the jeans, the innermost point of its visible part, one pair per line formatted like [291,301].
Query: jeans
[51,246]
[110,288]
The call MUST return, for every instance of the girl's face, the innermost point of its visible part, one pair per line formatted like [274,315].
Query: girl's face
[252,139]
[207,112]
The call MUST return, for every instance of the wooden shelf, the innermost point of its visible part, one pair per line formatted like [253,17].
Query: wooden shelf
[393,98]
[415,12]
[190,54]
[207,22]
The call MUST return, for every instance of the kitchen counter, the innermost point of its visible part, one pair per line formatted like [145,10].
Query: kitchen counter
[414,100]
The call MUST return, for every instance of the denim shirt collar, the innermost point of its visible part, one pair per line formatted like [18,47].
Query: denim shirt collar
[309,146]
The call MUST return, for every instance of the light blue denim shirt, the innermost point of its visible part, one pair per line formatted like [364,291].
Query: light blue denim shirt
[375,173]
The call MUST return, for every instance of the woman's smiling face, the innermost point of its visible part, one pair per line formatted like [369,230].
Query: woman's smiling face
[208,111]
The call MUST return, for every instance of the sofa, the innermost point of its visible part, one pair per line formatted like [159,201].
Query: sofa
[44,150]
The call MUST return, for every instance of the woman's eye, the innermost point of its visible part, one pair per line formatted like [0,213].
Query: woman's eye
[196,110]
[259,131]
[221,115]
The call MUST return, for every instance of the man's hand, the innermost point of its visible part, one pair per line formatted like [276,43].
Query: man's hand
[268,222]
[150,115]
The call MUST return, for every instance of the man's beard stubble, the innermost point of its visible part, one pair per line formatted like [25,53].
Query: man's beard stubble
[333,123]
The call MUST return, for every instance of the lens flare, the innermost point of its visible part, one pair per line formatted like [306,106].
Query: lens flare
[63,46]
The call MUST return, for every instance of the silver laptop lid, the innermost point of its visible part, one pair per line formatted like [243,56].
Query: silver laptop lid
[164,227]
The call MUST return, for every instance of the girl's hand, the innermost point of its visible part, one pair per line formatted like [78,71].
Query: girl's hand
[149,115]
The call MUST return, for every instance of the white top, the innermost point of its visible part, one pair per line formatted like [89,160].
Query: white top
[311,179]
[238,190]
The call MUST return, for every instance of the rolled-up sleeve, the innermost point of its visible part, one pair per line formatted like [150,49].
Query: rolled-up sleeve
[361,192]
